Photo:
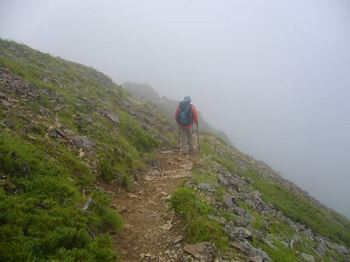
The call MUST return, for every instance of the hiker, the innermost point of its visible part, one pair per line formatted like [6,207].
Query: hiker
[186,115]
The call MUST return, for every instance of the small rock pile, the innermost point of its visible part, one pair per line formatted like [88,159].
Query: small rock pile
[12,87]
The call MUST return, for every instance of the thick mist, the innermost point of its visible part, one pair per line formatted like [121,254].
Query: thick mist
[274,75]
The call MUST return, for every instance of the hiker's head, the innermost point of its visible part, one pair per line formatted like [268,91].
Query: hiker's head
[187,99]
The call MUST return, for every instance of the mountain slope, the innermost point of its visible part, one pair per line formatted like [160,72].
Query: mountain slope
[168,107]
[71,139]
[300,211]
[65,130]
[262,209]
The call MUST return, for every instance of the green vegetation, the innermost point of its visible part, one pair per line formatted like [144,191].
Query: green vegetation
[202,176]
[195,212]
[223,158]
[41,215]
[139,138]
[295,206]
[299,209]
[46,180]
[282,229]
[280,252]
[217,155]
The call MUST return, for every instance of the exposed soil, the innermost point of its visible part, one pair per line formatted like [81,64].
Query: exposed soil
[152,231]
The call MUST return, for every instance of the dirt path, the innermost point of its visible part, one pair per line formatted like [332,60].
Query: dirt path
[152,231]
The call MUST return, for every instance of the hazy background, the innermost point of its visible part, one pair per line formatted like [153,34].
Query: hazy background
[274,75]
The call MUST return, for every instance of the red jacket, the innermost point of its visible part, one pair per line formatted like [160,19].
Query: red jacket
[194,114]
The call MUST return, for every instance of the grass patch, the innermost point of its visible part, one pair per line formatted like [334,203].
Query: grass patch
[195,213]
[301,210]
[199,176]
[280,252]
[283,229]
[41,216]
[138,137]
[219,156]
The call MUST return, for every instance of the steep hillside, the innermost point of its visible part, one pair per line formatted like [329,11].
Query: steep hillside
[168,106]
[65,130]
[80,157]
[264,216]
[273,209]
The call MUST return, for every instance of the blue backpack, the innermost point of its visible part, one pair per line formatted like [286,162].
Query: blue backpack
[185,116]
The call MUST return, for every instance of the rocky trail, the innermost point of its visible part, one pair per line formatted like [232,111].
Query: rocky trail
[151,230]
[67,129]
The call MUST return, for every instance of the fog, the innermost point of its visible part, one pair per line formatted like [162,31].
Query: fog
[273,75]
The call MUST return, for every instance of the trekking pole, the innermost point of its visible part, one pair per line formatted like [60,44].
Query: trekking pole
[198,139]
[179,140]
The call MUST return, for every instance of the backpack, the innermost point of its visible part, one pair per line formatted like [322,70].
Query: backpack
[185,116]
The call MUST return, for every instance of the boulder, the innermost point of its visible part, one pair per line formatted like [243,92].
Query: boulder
[222,180]
[255,259]
[258,254]
[342,249]
[229,201]
[307,257]
[254,254]
[82,142]
[239,211]
[338,248]
[238,233]
[204,251]
[55,133]
[241,246]
[293,241]
[235,182]
[114,117]
[178,239]
[268,241]
[205,187]
[3,96]
[242,221]
[5,104]
[255,201]
[321,247]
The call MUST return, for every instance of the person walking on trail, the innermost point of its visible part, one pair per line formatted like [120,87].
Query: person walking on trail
[186,115]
